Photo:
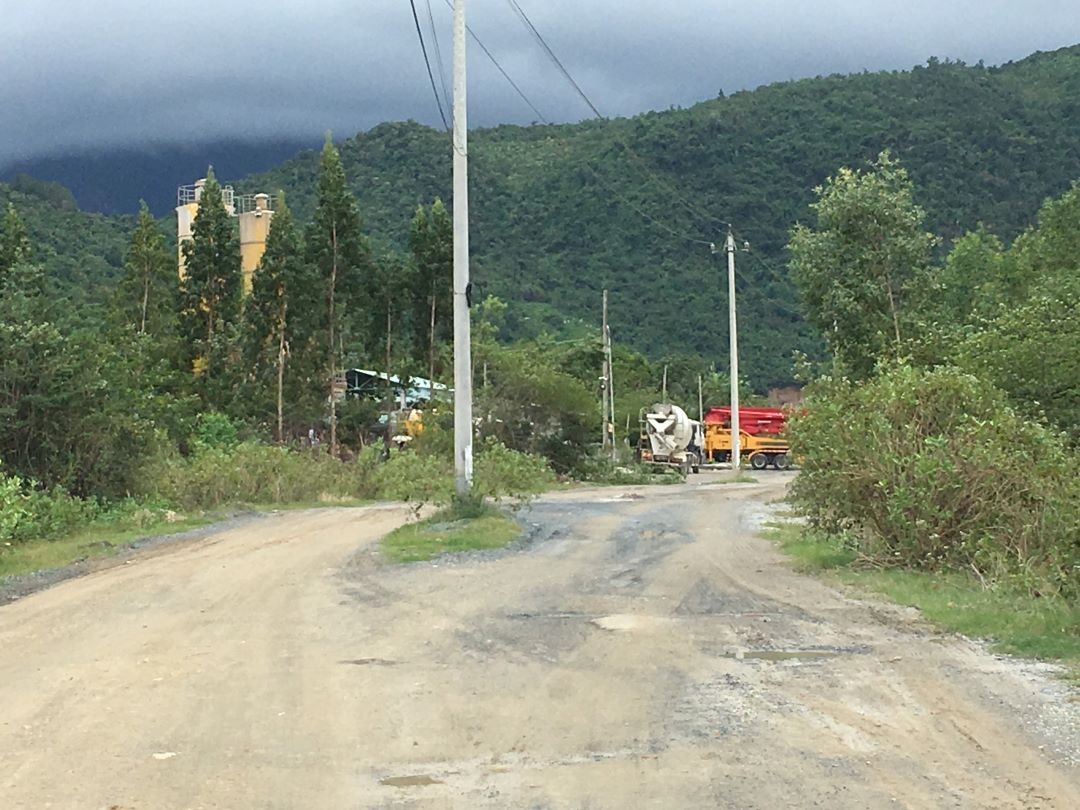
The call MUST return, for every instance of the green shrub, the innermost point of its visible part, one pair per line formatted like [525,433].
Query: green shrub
[417,478]
[933,470]
[13,509]
[501,473]
[30,513]
[214,431]
[254,473]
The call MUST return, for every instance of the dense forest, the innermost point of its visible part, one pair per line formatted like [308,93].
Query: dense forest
[561,212]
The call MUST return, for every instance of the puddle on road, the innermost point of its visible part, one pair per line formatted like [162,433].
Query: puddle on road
[369,662]
[782,655]
[419,780]
[627,622]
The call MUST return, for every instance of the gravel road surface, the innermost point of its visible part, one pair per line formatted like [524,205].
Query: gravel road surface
[640,649]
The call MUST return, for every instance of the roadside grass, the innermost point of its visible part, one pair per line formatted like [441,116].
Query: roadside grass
[1045,628]
[90,543]
[740,478]
[449,531]
[110,534]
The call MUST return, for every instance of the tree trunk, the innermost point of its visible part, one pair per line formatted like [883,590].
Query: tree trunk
[281,374]
[389,389]
[893,312]
[333,364]
[431,348]
[145,299]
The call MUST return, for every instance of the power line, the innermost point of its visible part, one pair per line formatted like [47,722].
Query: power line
[665,186]
[499,67]
[641,213]
[551,54]
[669,187]
[438,52]
[427,62]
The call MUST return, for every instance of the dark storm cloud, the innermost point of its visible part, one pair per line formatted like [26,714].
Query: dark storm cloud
[77,74]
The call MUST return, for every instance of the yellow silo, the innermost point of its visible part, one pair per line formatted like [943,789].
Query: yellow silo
[187,206]
[253,211]
[254,228]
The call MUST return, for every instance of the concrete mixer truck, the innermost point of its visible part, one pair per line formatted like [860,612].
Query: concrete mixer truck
[670,438]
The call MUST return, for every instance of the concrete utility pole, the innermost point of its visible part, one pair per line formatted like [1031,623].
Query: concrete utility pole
[463,424]
[736,456]
[610,389]
[605,381]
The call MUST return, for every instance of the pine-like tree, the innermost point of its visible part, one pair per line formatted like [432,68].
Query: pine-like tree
[279,320]
[341,259]
[210,290]
[393,281]
[146,297]
[431,240]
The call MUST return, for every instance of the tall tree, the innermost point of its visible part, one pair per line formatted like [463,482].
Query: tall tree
[210,288]
[859,271]
[393,281]
[341,258]
[431,240]
[146,296]
[278,314]
[1026,342]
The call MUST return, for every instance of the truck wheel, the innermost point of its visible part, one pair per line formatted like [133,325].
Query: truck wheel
[759,461]
[781,461]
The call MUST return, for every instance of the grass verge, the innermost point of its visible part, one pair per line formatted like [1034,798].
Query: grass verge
[1015,622]
[446,532]
[90,543]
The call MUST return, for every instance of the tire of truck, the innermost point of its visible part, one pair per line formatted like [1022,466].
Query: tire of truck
[695,462]
[759,461]
[781,461]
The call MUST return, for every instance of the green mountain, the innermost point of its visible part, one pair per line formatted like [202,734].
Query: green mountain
[561,212]
[83,252]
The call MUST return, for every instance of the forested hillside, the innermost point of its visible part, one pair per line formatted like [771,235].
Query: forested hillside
[561,212]
[82,252]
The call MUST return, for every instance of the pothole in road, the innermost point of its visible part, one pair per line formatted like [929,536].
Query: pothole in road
[369,662]
[419,780]
[629,622]
[780,655]
[791,655]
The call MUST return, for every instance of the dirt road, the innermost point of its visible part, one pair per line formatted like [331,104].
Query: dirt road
[644,649]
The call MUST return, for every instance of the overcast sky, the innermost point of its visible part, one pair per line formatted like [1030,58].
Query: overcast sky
[82,74]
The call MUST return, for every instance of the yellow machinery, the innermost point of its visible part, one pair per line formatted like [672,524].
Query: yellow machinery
[759,451]
[414,423]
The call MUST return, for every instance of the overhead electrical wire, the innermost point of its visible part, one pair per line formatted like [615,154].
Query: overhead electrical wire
[427,62]
[669,187]
[622,198]
[438,55]
[551,55]
[665,186]
[505,75]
